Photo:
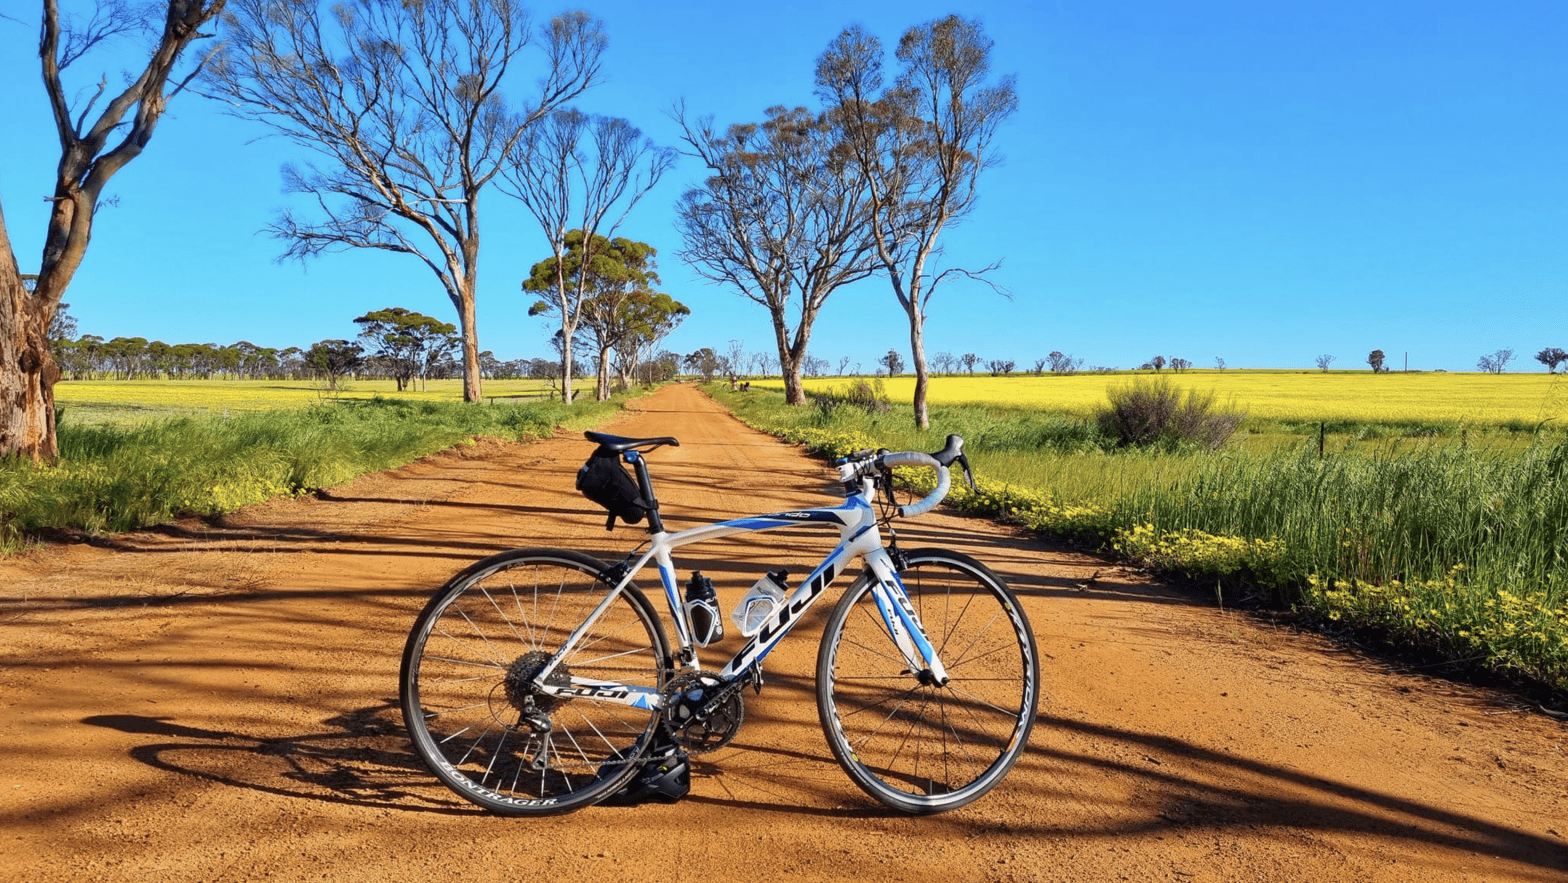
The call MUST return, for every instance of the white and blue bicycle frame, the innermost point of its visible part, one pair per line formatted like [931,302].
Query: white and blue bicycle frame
[860,537]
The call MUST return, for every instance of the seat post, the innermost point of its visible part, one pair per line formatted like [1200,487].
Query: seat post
[645,484]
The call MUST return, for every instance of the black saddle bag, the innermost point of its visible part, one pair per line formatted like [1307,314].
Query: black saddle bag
[605,481]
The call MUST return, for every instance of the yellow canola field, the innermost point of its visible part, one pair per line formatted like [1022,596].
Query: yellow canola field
[122,400]
[1471,399]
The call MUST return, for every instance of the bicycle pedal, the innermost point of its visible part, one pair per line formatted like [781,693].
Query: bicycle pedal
[756,680]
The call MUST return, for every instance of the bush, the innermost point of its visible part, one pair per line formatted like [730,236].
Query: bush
[1150,412]
[869,397]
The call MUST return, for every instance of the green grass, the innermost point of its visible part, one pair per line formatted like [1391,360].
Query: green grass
[115,478]
[1458,549]
[129,402]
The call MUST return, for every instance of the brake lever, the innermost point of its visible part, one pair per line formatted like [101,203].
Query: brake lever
[885,478]
[969,477]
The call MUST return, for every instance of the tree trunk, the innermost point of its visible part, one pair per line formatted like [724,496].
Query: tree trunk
[917,354]
[789,363]
[26,394]
[566,366]
[603,379]
[472,389]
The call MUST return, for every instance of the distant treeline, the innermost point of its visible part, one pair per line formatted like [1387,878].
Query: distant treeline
[91,357]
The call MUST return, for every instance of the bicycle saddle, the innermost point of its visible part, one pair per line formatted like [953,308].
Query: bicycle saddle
[619,444]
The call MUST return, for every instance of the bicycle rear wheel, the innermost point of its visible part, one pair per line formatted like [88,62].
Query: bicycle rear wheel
[470,703]
[924,748]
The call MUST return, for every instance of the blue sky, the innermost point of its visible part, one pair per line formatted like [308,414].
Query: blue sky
[1254,180]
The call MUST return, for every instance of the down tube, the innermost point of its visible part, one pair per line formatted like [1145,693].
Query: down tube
[798,602]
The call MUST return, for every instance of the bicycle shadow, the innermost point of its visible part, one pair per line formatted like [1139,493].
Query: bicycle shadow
[361,759]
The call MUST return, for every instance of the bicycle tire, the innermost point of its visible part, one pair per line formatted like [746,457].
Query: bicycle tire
[473,649]
[926,748]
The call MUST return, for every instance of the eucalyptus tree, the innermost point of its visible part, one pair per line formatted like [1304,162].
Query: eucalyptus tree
[643,320]
[580,174]
[610,282]
[705,362]
[735,359]
[781,219]
[408,342]
[1495,362]
[332,360]
[920,146]
[401,102]
[1551,357]
[96,142]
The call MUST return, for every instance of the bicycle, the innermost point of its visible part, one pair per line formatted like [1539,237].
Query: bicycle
[535,681]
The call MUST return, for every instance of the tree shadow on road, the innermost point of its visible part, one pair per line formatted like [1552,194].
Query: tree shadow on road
[362,758]
[1182,787]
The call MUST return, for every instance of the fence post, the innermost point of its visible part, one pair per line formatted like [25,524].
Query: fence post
[1322,436]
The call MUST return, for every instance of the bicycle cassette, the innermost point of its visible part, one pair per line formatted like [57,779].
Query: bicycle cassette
[702,711]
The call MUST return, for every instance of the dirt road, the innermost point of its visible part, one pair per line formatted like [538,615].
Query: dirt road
[219,703]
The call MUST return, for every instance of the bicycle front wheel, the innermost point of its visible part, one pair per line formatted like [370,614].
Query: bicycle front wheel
[924,748]
[470,693]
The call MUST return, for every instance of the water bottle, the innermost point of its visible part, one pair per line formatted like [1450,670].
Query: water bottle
[761,601]
[702,610]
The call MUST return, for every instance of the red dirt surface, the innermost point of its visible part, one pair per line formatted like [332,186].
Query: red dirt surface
[211,703]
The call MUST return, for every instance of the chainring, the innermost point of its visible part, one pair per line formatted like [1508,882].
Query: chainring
[702,711]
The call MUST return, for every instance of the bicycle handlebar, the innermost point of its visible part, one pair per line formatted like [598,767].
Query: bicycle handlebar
[862,463]
[915,458]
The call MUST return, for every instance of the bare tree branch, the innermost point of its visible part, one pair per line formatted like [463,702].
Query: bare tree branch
[981,275]
[88,160]
[580,175]
[781,218]
[920,144]
[404,104]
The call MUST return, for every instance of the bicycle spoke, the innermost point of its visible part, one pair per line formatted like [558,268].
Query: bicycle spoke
[483,722]
[923,747]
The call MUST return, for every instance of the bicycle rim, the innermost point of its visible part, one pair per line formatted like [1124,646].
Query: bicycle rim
[919,748]
[470,662]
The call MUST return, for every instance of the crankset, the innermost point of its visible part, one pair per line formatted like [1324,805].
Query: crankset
[702,711]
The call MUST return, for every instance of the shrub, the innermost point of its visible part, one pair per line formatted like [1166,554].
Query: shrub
[869,397]
[1151,412]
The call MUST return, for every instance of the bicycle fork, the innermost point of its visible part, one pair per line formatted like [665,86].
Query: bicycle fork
[902,622]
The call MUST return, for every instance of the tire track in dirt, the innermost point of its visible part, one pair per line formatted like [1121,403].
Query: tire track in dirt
[219,703]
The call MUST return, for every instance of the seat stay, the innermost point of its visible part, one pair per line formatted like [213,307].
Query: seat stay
[570,644]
